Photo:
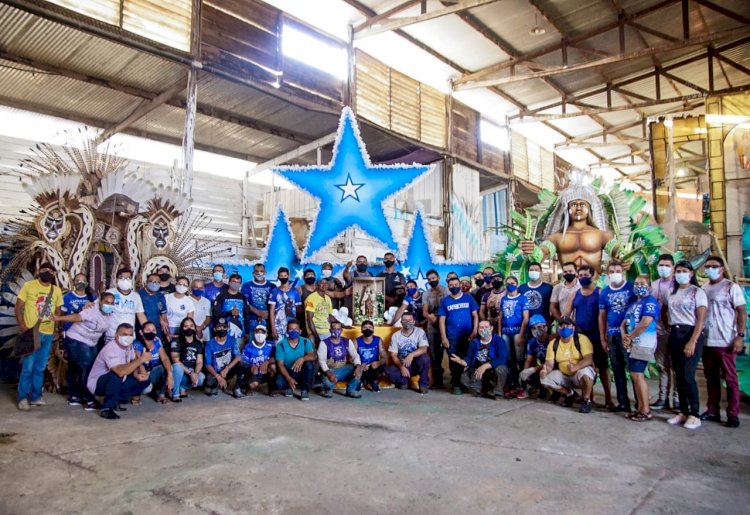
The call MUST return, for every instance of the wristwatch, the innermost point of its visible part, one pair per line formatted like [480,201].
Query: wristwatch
[741,335]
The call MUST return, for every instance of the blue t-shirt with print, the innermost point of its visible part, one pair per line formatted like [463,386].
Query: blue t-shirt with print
[154,305]
[155,359]
[285,308]
[256,296]
[220,355]
[647,306]
[457,312]
[73,304]
[537,350]
[511,309]
[537,298]
[368,352]
[253,355]
[616,302]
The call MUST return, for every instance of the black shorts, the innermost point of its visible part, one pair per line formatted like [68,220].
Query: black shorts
[601,358]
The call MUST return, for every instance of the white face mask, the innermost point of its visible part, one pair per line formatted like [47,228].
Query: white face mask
[713,273]
[260,337]
[125,284]
[181,288]
[615,278]
[326,273]
[534,275]
[125,340]
[664,271]
[682,277]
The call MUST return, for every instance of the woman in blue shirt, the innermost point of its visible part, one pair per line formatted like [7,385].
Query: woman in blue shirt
[159,367]
[514,317]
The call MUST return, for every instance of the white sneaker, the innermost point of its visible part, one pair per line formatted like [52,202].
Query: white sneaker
[692,423]
[678,420]
[24,405]
[39,402]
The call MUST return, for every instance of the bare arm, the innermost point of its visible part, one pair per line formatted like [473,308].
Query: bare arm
[19,314]
[129,368]
[554,309]
[141,318]
[75,317]
[603,325]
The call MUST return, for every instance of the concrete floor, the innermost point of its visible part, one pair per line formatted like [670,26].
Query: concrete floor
[392,452]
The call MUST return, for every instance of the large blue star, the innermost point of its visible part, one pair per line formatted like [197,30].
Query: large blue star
[351,190]
[420,258]
[280,250]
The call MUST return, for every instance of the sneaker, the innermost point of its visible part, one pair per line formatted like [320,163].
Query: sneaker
[39,402]
[710,417]
[677,420]
[289,393]
[570,399]
[659,404]
[326,393]
[74,401]
[554,397]
[521,394]
[355,394]
[585,406]
[304,396]
[109,414]
[24,405]
[237,392]
[424,391]
[375,386]
[692,423]
[732,422]
[90,406]
[457,391]
[489,395]
[212,392]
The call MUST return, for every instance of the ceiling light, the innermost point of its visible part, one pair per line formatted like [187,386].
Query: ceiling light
[536,30]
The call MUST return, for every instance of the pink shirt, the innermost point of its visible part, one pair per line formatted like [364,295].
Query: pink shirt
[112,354]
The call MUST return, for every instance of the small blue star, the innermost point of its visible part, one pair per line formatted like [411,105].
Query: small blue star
[349,189]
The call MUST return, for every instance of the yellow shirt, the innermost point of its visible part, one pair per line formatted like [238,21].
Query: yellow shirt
[34,296]
[320,307]
[567,354]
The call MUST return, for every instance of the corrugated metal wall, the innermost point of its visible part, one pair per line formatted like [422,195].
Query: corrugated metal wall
[532,163]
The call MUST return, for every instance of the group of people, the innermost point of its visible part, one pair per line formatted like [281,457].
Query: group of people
[501,338]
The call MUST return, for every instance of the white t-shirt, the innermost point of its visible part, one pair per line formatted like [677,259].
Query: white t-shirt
[126,307]
[202,311]
[683,303]
[561,293]
[404,345]
[723,298]
[178,309]
[660,290]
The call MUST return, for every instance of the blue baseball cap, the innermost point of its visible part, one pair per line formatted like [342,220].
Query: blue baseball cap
[536,320]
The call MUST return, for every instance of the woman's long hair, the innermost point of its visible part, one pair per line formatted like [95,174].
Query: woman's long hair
[684,264]
[181,333]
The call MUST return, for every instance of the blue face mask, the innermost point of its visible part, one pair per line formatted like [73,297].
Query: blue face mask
[152,286]
[565,332]
[411,292]
[218,276]
[641,291]
[293,335]
[107,309]
[511,287]
[454,290]
[198,293]
[585,281]
[335,333]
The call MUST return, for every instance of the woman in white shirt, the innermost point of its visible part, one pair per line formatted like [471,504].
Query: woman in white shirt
[687,314]
[179,306]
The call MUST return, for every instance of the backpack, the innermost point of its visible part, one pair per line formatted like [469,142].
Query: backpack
[556,344]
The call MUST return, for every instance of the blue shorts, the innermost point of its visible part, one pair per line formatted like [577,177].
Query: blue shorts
[637,366]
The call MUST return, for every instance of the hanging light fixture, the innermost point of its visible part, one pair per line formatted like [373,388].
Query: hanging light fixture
[536,30]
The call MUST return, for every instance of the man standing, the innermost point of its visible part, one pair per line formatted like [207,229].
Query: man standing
[38,302]
[613,305]
[295,356]
[333,354]
[485,363]
[117,374]
[432,299]
[359,271]
[318,313]
[538,294]
[202,313]
[409,355]
[128,304]
[660,290]
[563,291]
[154,305]
[489,308]
[336,289]
[458,321]
[224,361]
[231,306]
[393,279]
[726,322]
[165,283]
[217,285]
[256,292]
[284,304]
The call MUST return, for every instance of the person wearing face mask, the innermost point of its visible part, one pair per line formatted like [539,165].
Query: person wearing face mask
[295,356]
[38,301]
[660,290]
[613,303]
[485,364]
[563,291]
[128,304]
[686,314]
[726,322]
[372,356]
[568,365]
[83,333]
[154,305]
[256,292]
[231,306]
[309,286]
[432,299]
[259,356]
[638,332]
[477,289]
[489,308]
[339,361]
[77,299]
[319,313]
[179,306]
[458,319]
[487,276]
[339,294]
[117,374]
[187,361]
[359,270]
[165,280]
[202,313]
[284,304]
[538,293]
[158,368]
[217,285]
[223,361]
[514,318]
[412,302]
[393,279]
[409,355]
[536,355]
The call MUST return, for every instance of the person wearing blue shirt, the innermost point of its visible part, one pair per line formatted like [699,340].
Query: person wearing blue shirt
[223,361]
[458,318]
[284,303]
[74,301]
[154,305]
[514,317]
[372,355]
[536,355]
[256,292]
[159,368]
[217,285]
[485,363]
[295,357]
[259,355]
[231,306]
[639,336]
[613,303]
[538,294]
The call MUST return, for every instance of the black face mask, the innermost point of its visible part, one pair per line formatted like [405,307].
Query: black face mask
[310,280]
[47,276]
[189,332]
[283,280]
[221,333]
[569,277]
[361,268]
[367,332]
[389,263]
[434,284]
[497,284]
[149,336]
[479,282]
[164,277]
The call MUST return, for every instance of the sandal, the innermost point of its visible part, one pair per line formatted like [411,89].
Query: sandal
[609,406]
[161,399]
[642,417]
[135,401]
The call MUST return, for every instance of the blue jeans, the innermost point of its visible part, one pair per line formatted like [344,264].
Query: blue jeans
[116,391]
[182,381]
[32,370]
[157,377]
[304,377]
[342,374]
[80,360]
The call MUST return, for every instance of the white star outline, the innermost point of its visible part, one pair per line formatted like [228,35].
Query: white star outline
[349,189]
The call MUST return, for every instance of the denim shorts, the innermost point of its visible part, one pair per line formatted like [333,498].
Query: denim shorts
[637,366]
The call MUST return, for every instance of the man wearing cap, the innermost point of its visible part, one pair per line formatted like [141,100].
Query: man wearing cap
[536,354]
[339,361]
[259,356]
[295,356]
[569,364]
[223,361]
